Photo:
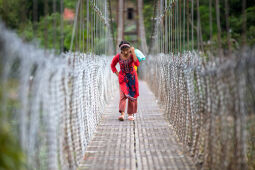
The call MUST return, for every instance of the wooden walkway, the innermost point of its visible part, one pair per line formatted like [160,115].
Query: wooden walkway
[146,143]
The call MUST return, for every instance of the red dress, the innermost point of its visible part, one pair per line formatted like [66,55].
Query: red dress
[128,79]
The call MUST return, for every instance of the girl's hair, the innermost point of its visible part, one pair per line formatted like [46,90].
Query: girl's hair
[123,42]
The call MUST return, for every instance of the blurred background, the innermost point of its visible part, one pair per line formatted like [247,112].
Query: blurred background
[50,22]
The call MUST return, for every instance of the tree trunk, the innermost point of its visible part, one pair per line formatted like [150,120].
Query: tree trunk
[120,22]
[141,31]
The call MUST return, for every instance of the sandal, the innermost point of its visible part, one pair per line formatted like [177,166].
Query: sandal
[131,118]
[121,118]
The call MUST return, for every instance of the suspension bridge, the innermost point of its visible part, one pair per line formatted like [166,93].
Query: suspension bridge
[196,103]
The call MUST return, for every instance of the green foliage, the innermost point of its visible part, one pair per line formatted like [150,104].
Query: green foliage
[205,22]
[11,156]
[251,25]
[10,12]
[18,15]
[235,21]
[47,33]
[148,12]
[70,3]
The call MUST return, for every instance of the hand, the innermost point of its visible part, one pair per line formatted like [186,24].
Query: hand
[117,73]
[132,49]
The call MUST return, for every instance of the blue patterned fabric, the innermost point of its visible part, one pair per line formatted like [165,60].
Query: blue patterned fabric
[130,83]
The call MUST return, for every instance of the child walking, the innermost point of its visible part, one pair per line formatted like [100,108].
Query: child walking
[128,79]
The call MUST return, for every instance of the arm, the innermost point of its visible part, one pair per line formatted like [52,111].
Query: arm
[132,49]
[135,59]
[115,60]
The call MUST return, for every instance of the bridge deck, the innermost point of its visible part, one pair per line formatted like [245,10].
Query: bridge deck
[147,143]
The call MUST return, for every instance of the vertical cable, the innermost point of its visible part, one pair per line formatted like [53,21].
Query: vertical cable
[192,24]
[101,26]
[169,28]
[61,27]
[211,27]
[111,25]
[75,24]
[92,28]
[180,27]
[99,29]
[218,28]
[171,32]
[188,19]
[23,13]
[46,24]
[175,27]
[35,17]
[172,25]
[95,26]
[54,24]
[184,22]
[173,21]
[227,26]
[198,26]
[105,28]
[77,29]
[87,23]
[153,27]
[200,35]
[161,24]
[244,18]
[166,26]
[210,19]
[83,29]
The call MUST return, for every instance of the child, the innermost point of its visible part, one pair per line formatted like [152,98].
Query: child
[128,79]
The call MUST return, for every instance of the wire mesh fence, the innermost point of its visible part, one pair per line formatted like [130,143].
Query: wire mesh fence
[210,105]
[52,103]
[204,79]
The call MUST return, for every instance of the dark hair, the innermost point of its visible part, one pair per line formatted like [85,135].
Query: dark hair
[123,42]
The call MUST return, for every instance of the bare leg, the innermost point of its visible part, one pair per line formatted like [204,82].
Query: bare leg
[121,118]
[122,113]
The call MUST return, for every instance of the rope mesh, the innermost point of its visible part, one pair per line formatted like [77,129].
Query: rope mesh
[210,105]
[57,101]
[207,92]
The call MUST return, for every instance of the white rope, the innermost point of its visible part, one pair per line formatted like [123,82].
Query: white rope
[61,100]
[75,23]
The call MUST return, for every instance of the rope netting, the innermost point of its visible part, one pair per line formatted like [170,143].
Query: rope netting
[211,106]
[207,92]
[53,101]
[56,102]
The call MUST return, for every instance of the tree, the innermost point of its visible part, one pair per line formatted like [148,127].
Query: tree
[120,18]
[141,29]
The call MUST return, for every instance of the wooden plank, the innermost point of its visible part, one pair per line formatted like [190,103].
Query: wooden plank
[147,143]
